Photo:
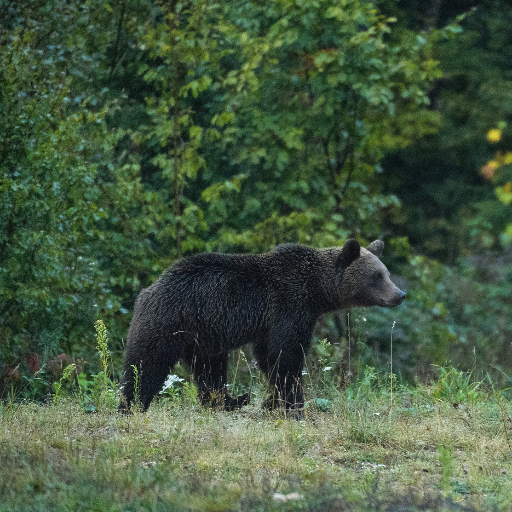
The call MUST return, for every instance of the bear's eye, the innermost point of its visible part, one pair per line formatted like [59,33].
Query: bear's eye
[378,276]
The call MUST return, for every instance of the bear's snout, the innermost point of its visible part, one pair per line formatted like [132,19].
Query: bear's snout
[399,298]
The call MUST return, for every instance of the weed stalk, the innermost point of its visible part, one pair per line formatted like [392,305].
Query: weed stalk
[391,366]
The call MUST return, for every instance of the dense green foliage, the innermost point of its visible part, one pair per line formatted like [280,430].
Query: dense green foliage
[136,132]
[448,210]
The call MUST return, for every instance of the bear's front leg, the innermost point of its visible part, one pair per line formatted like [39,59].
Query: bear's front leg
[284,370]
[287,393]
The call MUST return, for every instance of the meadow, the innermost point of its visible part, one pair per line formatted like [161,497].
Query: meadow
[366,447]
[134,133]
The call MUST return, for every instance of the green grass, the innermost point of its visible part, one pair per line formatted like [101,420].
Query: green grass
[428,452]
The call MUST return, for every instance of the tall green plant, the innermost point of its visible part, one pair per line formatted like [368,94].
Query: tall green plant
[57,386]
[102,346]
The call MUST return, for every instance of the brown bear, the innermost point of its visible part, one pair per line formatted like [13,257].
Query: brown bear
[208,304]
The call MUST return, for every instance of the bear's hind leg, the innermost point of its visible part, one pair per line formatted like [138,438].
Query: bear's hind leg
[210,372]
[143,379]
[152,381]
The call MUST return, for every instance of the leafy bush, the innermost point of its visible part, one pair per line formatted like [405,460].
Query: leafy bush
[459,316]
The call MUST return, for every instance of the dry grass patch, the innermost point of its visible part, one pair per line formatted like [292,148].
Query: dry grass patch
[358,456]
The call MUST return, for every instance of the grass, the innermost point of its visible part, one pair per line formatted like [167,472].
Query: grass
[433,450]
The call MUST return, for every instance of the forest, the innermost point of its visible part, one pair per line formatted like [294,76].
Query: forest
[134,133]
[137,132]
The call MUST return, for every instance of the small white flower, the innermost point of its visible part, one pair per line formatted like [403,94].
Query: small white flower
[170,381]
[327,368]
[304,372]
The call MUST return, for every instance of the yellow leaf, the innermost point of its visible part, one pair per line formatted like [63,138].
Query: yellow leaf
[494,135]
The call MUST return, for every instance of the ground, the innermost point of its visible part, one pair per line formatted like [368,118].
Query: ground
[364,453]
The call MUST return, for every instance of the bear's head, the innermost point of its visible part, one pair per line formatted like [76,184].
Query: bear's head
[363,280]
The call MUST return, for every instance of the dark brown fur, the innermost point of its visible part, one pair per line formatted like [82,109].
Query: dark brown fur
[208,304]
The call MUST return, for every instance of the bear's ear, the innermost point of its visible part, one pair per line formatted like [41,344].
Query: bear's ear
[376,247]
[349,252]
